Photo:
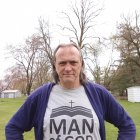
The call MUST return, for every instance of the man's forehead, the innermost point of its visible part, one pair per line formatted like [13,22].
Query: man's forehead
[68,50]
[67,57]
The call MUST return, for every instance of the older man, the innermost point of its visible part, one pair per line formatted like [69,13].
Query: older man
[71,108]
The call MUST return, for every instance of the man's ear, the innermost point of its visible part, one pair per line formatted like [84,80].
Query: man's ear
[83,63]
[53,66]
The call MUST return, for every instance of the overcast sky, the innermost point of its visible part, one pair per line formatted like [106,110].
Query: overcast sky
[19,19]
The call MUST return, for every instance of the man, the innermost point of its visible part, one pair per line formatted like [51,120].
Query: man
[71,108]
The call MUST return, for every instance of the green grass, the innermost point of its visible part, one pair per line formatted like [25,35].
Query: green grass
[9,106]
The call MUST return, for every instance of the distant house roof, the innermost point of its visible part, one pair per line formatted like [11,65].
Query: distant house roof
[10,91]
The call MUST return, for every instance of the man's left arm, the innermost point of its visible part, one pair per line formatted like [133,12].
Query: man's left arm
[120,118]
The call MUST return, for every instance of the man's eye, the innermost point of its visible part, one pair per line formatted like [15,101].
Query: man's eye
[73,62]
[62,63]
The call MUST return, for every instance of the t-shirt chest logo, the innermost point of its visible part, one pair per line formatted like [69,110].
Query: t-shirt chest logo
[69,127]
[71,111]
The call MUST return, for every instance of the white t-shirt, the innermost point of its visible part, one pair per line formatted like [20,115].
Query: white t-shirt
[70,116]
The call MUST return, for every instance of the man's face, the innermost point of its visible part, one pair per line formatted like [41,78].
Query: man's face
[68,66]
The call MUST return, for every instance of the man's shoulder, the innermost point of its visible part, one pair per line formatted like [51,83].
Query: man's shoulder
[91,84]
[43,89]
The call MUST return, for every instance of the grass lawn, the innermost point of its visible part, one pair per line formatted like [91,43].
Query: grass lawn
[9,106]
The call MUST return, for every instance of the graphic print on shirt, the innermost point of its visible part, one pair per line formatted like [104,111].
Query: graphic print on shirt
[71,123]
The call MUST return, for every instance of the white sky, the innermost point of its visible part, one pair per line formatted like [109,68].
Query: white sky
[19,18]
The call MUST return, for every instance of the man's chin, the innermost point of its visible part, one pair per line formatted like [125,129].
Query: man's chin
[68,80]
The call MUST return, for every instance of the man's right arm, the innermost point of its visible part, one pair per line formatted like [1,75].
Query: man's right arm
[21,121]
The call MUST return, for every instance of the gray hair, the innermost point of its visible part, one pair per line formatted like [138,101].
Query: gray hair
[83,78]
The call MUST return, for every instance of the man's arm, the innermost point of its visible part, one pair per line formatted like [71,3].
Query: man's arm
[119,117]
[21,121]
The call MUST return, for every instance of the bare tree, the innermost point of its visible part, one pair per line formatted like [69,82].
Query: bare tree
[128,39]
[15,78]
[44,58]
[34,57]
[25,56]
[44,70]
[101,73]
[2,86]
[81,20]
[45,38]
[92,57]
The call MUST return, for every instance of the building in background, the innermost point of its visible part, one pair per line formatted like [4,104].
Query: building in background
[10,94]
[133,94]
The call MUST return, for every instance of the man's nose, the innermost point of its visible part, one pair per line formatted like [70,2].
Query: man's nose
[68,67]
